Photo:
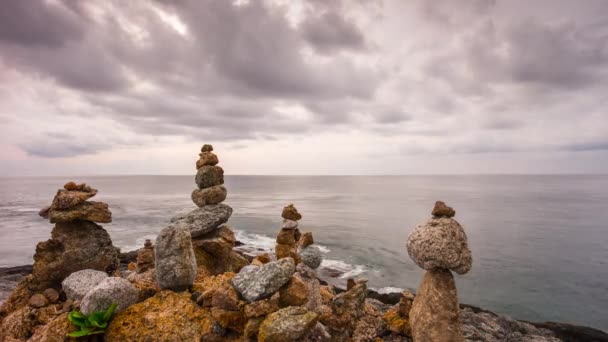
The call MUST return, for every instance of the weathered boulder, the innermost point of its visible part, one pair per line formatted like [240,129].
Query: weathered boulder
[144,283]
[440,243]
[442,210]
[205,219]
[288,324]
[294,293]
[311,256]
[306,240]
[65,199]
[206,148]
[435,314]
[175,262]
[346,308]
[213,195]
[206,158]
[291,213]
[214,251]
[73,246]
[112,290]
[208,176]
[79,283]
[88,211]
[38,301]
[261,282]
[287,251]
[168,316]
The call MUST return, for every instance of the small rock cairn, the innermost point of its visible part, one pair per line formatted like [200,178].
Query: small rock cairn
[289,235]
[438,246]
[209,178]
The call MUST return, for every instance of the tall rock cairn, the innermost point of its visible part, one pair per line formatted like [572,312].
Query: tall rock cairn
[438,246]
[209,178]
[77,242]
[289,235]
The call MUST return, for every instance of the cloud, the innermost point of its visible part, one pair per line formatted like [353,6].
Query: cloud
[330,31]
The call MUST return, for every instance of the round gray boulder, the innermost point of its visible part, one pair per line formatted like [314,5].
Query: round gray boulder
[78,284]
[311,256]
[112,290]
[440,243]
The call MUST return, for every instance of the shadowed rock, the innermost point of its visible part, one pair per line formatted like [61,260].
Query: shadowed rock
[442,210]
[213,195]
[175,262]
[112,290]
[254,283]
[204,220]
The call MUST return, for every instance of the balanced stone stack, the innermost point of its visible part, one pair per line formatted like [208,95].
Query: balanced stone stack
[77,242]
[209,178]
[438,246]
[289,236]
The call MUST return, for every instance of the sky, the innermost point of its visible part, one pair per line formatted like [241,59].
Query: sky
[304,87]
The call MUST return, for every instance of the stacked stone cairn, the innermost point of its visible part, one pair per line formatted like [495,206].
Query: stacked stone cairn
[438,246]
[289,235]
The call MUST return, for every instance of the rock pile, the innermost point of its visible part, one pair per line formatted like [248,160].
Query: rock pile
[289,235]
[438,246]
[209,178]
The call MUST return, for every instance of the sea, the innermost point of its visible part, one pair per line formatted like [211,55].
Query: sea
[539,243]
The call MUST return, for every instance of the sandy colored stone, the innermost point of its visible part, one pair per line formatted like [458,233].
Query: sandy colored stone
[291,213]
[229,319]
[405,303]
[38,301]
[144,283]
[55,331]
[306,240]
[52,295]
[262,258]
[288,324]
[66,199]
[225,298]
[207,148]
[208,176]
[175,261]
[294,293]
[286,236]
[86,211]
[440,243]
[145,257]
[212,195]
[261,307]
[206,158]
[442,210]
[435,314]
[212,283]
[287,251]
[327,294]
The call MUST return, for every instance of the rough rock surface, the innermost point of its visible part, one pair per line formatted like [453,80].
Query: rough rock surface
[440,243]
[306,240]
[204,220]
[442,210]
[73,246]
[79,283]
[38,301]
[261,282]
[145,257]
[346,308]
[206,158]
[208,176]
[65,199]
[207,148]
[168,316]
[294,293]
[175,262]
[311,256]
[435,314]
[112,290]
[88,211]
[214,251]
[291,213]
[213,195]
[288,324]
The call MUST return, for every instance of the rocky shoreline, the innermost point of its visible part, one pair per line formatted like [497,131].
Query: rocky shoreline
[191,284]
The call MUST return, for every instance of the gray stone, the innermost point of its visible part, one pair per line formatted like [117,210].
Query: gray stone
[440,243]
[311,256]
[208,176]
[175,262]
[112,290]
[289,224]
[204,220]
[255,284]
[78,284]
[288,324]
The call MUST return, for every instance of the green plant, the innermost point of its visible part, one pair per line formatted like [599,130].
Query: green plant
[95,323]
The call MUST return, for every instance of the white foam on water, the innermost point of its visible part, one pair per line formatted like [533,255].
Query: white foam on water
[139,243]
[389,289]
[256,243]
[347,270]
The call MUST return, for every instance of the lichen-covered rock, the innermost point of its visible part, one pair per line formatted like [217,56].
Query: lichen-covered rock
[55,331]
[440,243]
[203,220]
[73,246]
[145,257]
[442,210]
[144,283]
[23,322]
[346,308]
[294,293]
[175,262]
[87,211]
[311,256]
[112,290]
[168,316]
[370,326]
[288,324]
[263,281]
[208,176]
[79,283]
[262,307]
[213,195]
[206,158]
[435,314]
[287,251]
[291,213]
[214,251]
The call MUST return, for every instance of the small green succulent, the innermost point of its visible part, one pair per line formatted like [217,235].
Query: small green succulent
[95,323]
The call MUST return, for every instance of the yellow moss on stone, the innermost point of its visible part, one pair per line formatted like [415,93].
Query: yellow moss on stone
[396,323]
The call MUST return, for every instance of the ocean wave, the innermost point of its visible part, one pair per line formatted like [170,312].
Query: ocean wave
[389,289]
[345,269]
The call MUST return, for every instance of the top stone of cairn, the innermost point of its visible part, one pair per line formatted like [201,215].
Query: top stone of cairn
[291,213]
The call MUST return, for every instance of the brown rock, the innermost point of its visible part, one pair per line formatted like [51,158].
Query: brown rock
[262,258]
[405,303]
[208,176]
[396,323]
[206,148]
[206,158]
[435,314]
[145,257]
[346,309]
[327,294]
[213,195]
[66,199]
[287,236]
[55,331]
[350,283]
[252,327]
[228,319]
[442,210]
[225,298]
[306,240]
[44,212]
[71,186]
[145,284]
[38,301]
[288,324]
[86,211]
[294,293]
[287,251]
[211,283]
[261,307]
[291,213]
[132,266]
[52,295]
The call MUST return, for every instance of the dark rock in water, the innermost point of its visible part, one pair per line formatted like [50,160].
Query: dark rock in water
[291,213]
[208,176]
[442,210]
[573,333]
[213,195]
[261,282]
[175,262]
[87,211]
[73,246]
[204,220]
[288,324]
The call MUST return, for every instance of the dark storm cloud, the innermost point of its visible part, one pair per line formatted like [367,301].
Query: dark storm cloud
[330,32]
[61,145]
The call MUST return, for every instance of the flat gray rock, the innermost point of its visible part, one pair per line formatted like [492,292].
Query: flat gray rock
[79,283]
[204,220]
[440,243]
[311,256]
[112,290]
[175,262]
[259,283]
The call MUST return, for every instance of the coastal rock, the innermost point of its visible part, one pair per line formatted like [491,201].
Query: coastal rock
[66,199]
[288,324]
[38,301]
[217,243]
[289,224]
[208,176]
[175,262]
[204,220]
[440,243]
[306,240]
[442,210]
[79,283]
[282,251]
[87,211]
[145,258]
[261,282]
[213,195]
[261,307]
[311,256]
[294,293]
[206,148]
[206,158]
[291,213]
[168,316]
[73,246]
[52,295]
[287,236]
[144,283]
[54,331]
[112,290]
[214,251]
[346,308]
[229,319]
[435,314]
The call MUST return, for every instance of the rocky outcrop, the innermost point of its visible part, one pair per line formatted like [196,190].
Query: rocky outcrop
[255,283]
[79,283]
[175,262]
[112,290]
